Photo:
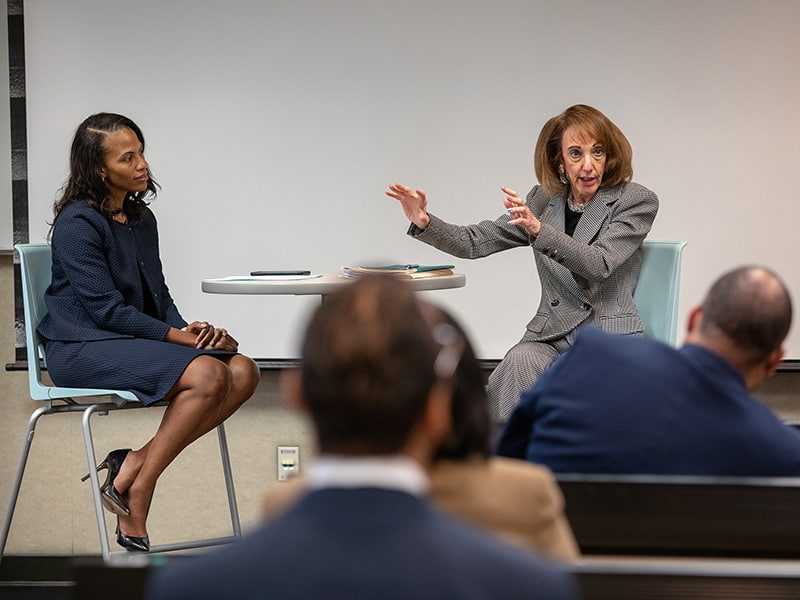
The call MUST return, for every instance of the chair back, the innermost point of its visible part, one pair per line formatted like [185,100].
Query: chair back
[35,264]
[657,291]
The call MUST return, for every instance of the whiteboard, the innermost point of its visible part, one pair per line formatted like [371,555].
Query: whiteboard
[274,128]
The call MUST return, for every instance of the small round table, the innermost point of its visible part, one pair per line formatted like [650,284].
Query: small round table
[323,285]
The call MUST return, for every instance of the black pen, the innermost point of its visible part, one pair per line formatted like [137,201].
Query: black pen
[260,273]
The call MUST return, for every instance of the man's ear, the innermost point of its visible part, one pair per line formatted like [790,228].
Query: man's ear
[292,389]
[761,371]
[773,360]
[693,322]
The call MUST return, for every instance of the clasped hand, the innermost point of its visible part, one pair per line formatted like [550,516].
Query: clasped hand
[211,338]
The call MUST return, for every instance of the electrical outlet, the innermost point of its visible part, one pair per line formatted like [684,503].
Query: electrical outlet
[288,461]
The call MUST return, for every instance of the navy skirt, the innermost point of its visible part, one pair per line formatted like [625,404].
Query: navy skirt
[148,368]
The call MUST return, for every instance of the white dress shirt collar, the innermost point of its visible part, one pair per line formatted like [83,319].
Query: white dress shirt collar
[392,472]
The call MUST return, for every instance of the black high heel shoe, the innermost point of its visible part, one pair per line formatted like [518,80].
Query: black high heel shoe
[112,501]
[131,543]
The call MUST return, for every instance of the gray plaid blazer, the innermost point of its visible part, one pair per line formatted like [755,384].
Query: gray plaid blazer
[588,278]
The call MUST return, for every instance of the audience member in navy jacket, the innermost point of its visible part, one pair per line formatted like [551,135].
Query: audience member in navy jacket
[112,323]
[619,404]
[376,379]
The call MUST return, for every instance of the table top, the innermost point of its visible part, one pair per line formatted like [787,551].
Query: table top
[325,284]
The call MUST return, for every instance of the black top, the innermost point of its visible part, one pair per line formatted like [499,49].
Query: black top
[571,219]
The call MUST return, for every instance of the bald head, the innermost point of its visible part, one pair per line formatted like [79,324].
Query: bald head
[751,308]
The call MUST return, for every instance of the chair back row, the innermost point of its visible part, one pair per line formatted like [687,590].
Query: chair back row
[35,265]
[35,261]
[657,291]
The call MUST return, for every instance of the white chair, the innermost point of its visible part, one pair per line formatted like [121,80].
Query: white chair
[35,263]
[658,289]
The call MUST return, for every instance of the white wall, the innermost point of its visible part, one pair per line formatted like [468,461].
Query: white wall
[275,126]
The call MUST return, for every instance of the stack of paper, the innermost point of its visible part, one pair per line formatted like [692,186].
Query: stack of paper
[404,271]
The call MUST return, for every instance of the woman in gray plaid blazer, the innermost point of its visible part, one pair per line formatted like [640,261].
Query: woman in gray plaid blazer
[585,222]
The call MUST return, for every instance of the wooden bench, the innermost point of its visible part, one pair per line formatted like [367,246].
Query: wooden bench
[684,516]
[689,579]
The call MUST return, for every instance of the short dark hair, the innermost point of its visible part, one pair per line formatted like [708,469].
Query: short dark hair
[588,120]
[368,367]
[86,159]
[752,308]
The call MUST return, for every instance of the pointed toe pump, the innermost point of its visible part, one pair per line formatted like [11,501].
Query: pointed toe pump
[132,543]
[112,500]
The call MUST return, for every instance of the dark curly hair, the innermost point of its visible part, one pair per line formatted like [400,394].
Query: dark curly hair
[86,159]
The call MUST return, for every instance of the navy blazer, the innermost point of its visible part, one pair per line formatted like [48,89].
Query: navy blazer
[362,543]
[96,291]
[627,404]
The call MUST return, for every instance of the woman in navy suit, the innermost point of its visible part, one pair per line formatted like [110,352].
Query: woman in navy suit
[112,323]
[585,223]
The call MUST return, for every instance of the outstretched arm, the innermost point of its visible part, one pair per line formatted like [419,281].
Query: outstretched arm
[413,202]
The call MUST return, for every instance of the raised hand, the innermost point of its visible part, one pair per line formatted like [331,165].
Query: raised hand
[413,202]
[520,214]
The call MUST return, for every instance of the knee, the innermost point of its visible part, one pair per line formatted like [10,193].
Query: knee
[521,352]
[210,377]
[532,357]
[245,374]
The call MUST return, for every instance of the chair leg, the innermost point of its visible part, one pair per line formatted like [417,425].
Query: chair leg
[98,504]
[23,460]
[226,468]
[95,482]
[235,525]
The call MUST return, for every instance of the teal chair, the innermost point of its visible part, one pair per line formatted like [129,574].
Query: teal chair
[35,262]
[657,291]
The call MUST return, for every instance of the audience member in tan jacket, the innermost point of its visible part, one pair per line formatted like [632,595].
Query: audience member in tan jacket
[518,501]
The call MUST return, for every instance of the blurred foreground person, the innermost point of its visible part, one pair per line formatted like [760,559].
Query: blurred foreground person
[516,500]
